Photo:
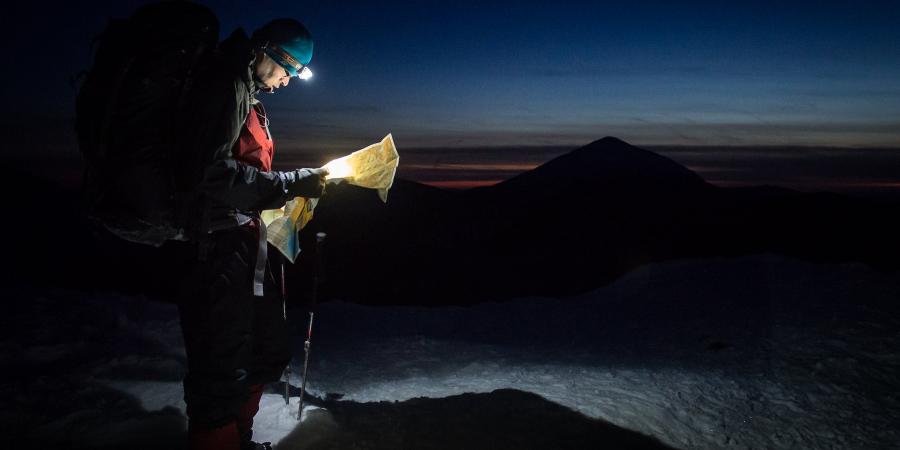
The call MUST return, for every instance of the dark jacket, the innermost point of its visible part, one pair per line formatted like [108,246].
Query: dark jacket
[225,192]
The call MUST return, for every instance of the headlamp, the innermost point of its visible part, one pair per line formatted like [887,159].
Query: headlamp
[290,64]
[305,74]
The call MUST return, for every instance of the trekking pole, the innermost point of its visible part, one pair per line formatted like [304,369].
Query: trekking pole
[320,244]
[287,369]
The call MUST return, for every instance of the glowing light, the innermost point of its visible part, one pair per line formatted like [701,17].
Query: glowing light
[338,168]
[305,74]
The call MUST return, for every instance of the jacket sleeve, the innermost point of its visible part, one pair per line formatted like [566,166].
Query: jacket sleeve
[233,182]
[246,188]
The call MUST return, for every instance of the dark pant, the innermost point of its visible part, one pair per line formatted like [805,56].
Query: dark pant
[233,339]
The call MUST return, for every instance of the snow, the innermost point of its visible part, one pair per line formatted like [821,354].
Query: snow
[275,419]
[752,352]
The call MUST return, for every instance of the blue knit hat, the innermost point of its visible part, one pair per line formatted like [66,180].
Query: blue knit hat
[288,43]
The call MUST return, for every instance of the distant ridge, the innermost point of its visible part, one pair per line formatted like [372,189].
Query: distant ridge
[607,161]
[573,224]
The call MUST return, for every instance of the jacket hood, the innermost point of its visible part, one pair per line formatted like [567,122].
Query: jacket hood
[238,58]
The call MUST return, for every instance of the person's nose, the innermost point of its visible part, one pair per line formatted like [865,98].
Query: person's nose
[285,81]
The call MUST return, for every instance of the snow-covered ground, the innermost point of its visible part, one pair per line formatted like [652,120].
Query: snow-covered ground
[750,352]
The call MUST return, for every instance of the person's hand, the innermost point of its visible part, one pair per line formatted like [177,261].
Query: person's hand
[310,182]
[322,172]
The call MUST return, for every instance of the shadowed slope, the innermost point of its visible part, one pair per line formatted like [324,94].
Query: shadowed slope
[502,419]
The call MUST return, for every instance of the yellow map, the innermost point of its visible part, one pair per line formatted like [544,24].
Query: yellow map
[373,167]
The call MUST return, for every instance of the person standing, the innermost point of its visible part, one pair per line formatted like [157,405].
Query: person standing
[231,312]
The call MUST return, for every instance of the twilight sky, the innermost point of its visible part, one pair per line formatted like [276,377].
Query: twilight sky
[447,77]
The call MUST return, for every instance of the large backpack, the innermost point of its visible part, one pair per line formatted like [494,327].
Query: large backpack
[126,118]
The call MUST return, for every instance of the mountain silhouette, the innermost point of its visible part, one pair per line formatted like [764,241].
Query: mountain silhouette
[573,224]
[609,162]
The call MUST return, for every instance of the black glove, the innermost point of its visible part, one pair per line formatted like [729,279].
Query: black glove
[308,183]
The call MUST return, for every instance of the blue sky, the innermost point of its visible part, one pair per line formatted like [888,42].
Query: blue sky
[716,73]
[464,74]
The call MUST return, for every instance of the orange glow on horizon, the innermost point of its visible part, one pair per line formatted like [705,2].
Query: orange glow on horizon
[802,185]
[474,166]
[461,184]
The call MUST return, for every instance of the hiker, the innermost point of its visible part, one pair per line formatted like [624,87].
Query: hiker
[230,303]
[178,155]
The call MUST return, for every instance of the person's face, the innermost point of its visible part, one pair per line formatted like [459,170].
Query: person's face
[270,74]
